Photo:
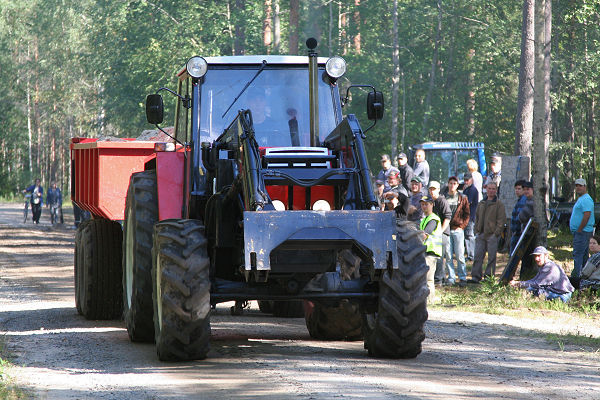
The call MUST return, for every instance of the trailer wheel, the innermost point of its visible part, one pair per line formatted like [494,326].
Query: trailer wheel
[141,213]
[181,290]
[288,308]
[98,270]
[339,321]
[395,330]
[78,266]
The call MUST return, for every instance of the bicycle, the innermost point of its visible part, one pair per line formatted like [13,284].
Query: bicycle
[26,209]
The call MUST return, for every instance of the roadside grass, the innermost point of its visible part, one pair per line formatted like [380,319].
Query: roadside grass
[588,343]
[8,391]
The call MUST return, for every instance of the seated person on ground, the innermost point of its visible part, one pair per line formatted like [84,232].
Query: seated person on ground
[590,274]
[550,281]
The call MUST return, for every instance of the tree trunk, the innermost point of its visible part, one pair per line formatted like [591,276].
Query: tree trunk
[403,108]
[276,27]
[343,29]
[470,98]
[434,61]
[569,129]
[29,133]
[523,132]
[267,25]
[357,24]
[395,79]
[294,13]
[541,121]
[239,47]
[230,27]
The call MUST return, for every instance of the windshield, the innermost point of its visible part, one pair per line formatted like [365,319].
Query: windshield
[278,100]
[443,164]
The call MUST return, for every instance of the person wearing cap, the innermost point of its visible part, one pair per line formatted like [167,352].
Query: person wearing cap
[473,196]
[495,174]
[461,212]
[406,171]
[396,198]
[386,169]
[582,226]
[431,230]
[473,168]
[515,223]
[414,212]
[442,210]
[550,281]
[525,214]
[489,225]
[421,168]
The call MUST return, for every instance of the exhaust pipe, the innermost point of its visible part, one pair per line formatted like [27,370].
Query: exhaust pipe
[313,92]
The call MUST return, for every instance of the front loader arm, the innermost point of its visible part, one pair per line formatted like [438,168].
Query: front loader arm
[238,139]
[347,139]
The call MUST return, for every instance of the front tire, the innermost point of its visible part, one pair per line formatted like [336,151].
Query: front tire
[141,213]
[181,290]
[395,330]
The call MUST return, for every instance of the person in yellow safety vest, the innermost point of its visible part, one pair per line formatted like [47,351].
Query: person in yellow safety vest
[431,228]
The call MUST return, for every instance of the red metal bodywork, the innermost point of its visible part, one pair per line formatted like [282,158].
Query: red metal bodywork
[101,172]
[169,177]
[281,193]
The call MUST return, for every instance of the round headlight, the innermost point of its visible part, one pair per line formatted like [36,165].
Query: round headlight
[196,67]
[321,205]
[278,204]
[335,67]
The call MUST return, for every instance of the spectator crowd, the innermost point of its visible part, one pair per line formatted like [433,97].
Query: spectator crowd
[466,224]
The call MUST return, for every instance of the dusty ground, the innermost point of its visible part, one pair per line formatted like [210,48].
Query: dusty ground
[60,355]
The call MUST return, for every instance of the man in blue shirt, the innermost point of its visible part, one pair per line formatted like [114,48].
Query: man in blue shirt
[582,226]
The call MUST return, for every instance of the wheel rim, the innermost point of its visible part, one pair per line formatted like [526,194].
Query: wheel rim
[129,244]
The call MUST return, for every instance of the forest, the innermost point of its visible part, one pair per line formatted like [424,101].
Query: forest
[449,70]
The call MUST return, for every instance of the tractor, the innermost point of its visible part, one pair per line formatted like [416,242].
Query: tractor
[261,192]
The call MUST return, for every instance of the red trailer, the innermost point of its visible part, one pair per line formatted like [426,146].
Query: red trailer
[101,172]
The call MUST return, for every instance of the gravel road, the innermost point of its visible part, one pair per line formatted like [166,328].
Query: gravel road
[60,355]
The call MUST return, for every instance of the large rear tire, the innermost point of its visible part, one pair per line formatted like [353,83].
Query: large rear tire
[141,213]
[395,330]
[98,270]
[181,290]
[78,266]
[339,321]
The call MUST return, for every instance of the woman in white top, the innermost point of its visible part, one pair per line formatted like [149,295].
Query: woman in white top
[477,178]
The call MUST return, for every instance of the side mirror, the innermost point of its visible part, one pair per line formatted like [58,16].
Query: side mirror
[154,109]
[375,105]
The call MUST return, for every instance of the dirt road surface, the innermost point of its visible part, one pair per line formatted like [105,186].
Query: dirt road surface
[60,355]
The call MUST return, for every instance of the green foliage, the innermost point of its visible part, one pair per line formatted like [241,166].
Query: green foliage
[8,391]
[87,65]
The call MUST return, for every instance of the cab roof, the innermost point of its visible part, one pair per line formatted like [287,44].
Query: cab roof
[257,60]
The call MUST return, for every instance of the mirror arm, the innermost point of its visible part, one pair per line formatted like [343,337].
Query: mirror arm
[345,99]
[186,100]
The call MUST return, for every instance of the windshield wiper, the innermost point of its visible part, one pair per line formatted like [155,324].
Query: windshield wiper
[264,64]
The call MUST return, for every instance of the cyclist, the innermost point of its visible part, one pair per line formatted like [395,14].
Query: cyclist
[37,199]
[54,202]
